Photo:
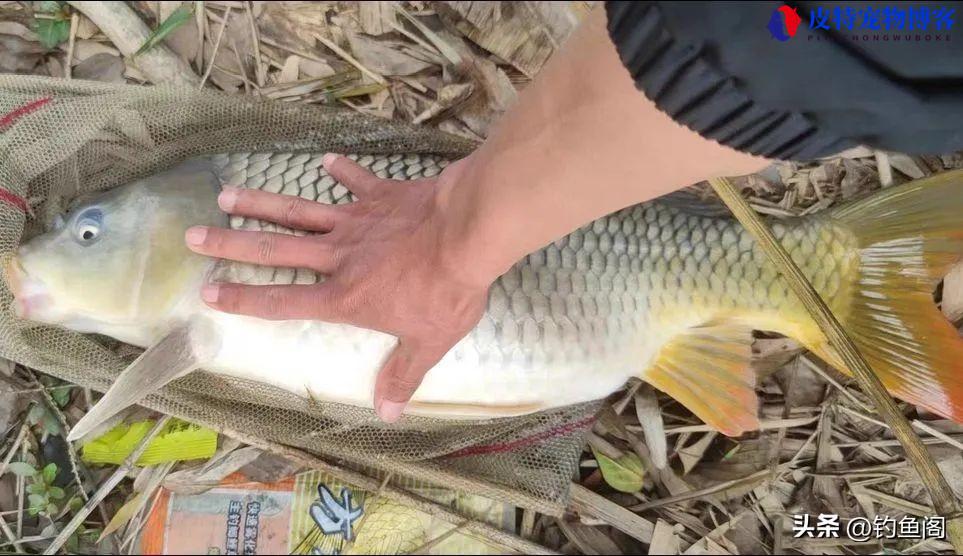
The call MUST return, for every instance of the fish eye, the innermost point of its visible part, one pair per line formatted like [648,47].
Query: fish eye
[88,226]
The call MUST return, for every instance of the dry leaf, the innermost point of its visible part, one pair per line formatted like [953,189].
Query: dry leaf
[208,476]
[293,24]
[290,70]
[184,40]
[101,67]
[691,455]
[18,30]
[377,18]
[270,468]
[449,97]
[18,55]
[515,32]
[84,49]
[665,538]
[314,68]
[86,28]
[388,57]
[588,539]
[650,418]
[906,165]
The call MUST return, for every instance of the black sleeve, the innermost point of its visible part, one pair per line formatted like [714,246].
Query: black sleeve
[805,84]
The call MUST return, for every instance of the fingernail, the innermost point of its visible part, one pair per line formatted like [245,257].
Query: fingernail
[195,235]
[227,199]
[390,411]
[329,159]
[210,293]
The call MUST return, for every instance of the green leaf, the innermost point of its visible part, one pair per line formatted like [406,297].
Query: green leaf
[181,15]
[624,474]
[52,509]
[51,32]
[22,469]
[37,500]
[75,503]
[36,413]
[36,488]
[56,493]
[49,6]
[33,511]
[50,473]
[61,395]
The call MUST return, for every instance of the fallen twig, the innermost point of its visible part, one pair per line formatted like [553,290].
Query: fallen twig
[217,45]
[128,33]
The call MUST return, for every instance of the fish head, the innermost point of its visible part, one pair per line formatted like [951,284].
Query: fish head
[119,259]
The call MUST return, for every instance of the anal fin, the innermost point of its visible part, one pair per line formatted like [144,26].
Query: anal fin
[707,370]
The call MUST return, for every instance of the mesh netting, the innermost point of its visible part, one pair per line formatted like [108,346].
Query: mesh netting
[60,139]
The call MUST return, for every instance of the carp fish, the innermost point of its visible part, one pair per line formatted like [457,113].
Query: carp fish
[655,291]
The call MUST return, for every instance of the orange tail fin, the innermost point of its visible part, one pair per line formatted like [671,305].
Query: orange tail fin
[908,236]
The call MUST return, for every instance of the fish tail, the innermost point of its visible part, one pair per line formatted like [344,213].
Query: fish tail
[908,237]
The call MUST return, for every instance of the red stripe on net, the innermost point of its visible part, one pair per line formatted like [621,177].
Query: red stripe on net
[14,200]
[6,121]
[503,447]
[10,117]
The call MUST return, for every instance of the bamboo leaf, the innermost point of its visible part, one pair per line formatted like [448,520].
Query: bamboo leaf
[123,515]
[180,16]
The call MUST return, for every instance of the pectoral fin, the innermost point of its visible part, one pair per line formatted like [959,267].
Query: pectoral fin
[707,370]
[185,348]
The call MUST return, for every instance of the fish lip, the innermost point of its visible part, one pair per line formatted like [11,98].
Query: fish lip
[13,274]
[29,293]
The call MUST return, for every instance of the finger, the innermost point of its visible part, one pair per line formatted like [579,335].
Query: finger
[287,210]
[352,175]
[298,302]
[400,377]
[264,248]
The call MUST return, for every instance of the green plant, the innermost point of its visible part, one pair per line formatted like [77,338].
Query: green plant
[52,23]
[41,416]
[43,496]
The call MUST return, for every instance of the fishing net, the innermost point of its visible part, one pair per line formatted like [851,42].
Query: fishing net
[60,139]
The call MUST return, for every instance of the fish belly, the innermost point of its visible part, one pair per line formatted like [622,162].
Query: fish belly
[339,363]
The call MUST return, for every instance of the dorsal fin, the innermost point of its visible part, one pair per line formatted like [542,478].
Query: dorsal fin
[695,200]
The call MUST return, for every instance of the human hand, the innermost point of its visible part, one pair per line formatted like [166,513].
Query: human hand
[389,260]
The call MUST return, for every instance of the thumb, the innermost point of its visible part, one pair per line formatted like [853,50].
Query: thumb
[399,378]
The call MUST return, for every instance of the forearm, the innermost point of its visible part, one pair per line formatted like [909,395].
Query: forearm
[580,143]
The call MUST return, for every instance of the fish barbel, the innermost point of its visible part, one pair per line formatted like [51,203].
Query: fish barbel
[654,291]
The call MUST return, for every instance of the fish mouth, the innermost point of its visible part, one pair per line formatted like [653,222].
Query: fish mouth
[30,295]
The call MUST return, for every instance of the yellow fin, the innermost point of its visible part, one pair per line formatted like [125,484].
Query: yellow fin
[909,236]
[707,370]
